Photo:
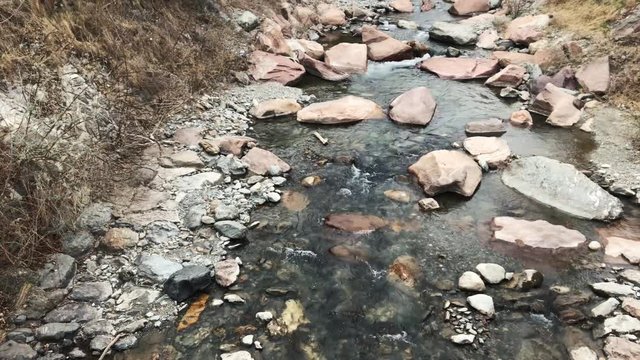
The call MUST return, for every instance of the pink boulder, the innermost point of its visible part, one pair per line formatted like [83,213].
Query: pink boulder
[269,67]
[348,58]
[469,7]
[382,47]
[415,107]
[260,161]
[460,68]
[404,6]
[594,76]
[511,75]
[447,171]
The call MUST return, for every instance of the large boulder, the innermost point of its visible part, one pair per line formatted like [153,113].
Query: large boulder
[320,69]
[415,107]
[535,234]
[275,108]
[512,76]
[330,14]
[460,68]
[404,6]
[492,151]
[447,171]
[558,105]
[271,39]
[594,76]
[561,186]
[454,33]
[382,47]
[263,162]
[348,58]
[346,110]
[270,67]
[469,7]
[526,29]
[310,48]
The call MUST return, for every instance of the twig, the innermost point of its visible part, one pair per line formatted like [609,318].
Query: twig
[106,350]
[323,140]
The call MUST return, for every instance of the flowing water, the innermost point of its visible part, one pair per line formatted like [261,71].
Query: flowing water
[353,311]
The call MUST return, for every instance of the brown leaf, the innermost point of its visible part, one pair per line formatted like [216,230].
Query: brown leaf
[193,313]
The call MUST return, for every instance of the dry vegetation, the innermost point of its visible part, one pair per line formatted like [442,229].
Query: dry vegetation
[591,19]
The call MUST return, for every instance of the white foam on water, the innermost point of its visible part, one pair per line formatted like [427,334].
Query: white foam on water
[360,179]
[377,274]
[542,319]
[381,69]
[297,253]
[402,337]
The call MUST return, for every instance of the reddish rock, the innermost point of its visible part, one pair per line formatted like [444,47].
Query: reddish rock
[521,25]
[229,144]
[419,48]
[348,58]
[269,67]
[521,118]
[415,107]
[346,110]
[629,249]
[526,35]
[308,47]
[511,75]
[564,78]
[489,127]
[535,234]
[493,151]
[330,14]
[349,253]
[427,5]
[271,39]
[404,6]
[275,108]
[509,57]
[572,49]
[469,7]
[460,68]
[320,69]
[382,47]
[307,17]
[487,39]
[557,105]
[594,77]
[259,161]
[549,58]
[355,223]
[405,270]
[447,171]
[618,348]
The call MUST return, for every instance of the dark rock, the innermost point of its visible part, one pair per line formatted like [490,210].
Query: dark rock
[571,316]
[58,272]
[78,244]
[125,343]
[21,335]
[77,312]
[452,52]
[40,302]
[569,300]
[526,280]
[12,350]
[231,229]
[91,291]
[184,283]
[95,218]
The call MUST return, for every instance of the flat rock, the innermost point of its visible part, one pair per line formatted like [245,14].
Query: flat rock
[612,289]
[511,57]
[57,272]
[632,275]
[160,232]
[583,353]
[520,29]
[347,58]
[629,249]
[561,186]
[227,272]
[491,273]
[321,69]
[91,291]
[460,68]
[275,108]
[512,75]
[72,312]
[605,308]
[632,306]
[187,281]
[270,67]
[186,158]
[453,33]
[621,349]
[260,161]
[489,127]
[483,303]
[469,7]
[310,48]
[12,350]
[355,223]
[428,204]
[56,331]
[348,109]
[558,105]
[621,324]
[156,267]
[238,355]
[535,234]
[471,281]
[78,244]
[594,76]
[231,229]
[382,47]
[492,151]
[134,295]
[447,171]
[120,238]
[415,107]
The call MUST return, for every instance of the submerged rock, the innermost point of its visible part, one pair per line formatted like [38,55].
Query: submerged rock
[347,58]
[460,68]
[561,186]
[415,107]
[346,110]
[260,161]
[355,223]
[398,196]
[290,320]
[405,270]
[447,171]
[536,234]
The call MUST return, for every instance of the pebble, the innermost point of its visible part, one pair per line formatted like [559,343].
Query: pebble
[594,245]
[233,298]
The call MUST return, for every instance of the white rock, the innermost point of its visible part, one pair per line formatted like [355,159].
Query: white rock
[471,281]
[491,273]
[605,308]
[463,339]
[621,324]
[612,289]
[217,302]
[265,316]
[233,298]
[583,353]
[483,303]
[248,340]
[595,246]
[257,345]
[273,197]
[238,355]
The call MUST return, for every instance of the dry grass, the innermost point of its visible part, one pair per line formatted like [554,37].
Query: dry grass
[585,17]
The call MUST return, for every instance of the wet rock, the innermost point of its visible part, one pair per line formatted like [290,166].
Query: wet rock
[526,29]
[536,234]
[134,295]
[125,343]
[512,76]
[100,342]
[561,186]
[469,7]
[95,218]
[428,204]
[228,144]
[406,24]
[632,275]
[91,291]
[227,272]
[347,253]
[160,232]
[453,33]
[594,77]
[259,161]
[483,303]
[621,324]
[605,308]
[492,151]
[156,267]
[56,331]
[275,108]
[347,58]
[618,348]
[447,171]
[571,316]
[269,67]
[521,118]
[187,281]
[355,223]
[471,281]
[310,48]
[186,158]
[629,249]
[238,355]
[346,110]
[415,107]
[248,21]
[12,350]
[290,320]
[489,127]
[78,244]
[463,339]
[405,270]
[120,238]
[330,14]
[557,105]
[321,69]
[398,196]
[311,181]
[382,47]
[231,229]
[57,272]
[491,273]
[72,312]
[526,280]
[612,289]
[460,68]
[583,353]
[403,6]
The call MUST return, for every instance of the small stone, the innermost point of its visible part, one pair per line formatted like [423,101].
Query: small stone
[231,229]
[273,197]
[605,308]
[311,181]
[398,196]
[265,316]
[483,303]
[463,339]
[100,342]
[491,273]
[594,246]
[92,291]
[226,272]
[428,204]
[233,298]
[471,281]
[184,283]
[247,340]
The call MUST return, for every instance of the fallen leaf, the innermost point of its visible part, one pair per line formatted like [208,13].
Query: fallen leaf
[193,313]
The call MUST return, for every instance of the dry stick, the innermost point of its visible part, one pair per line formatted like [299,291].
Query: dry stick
[106,350]
[323,140]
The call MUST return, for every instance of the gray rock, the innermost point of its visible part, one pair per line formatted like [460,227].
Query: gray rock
[91,291]
[21,335]
[226,212]
[160,232]
[185,282]
[197,181]
[39,302]
[56,331]
[238,355]
[156,267]
[483,303]
[561,186]
[491,273]
[471,281]
[428,204]
[95,218]
[12,350]
[193,218]
[231,165]
[133,326]
[621,324]
[248,21]
[58,272]
[605,308]
[226,272]
[231,229]
[77,354]
[125,343]
[78,244]
[97,327]
[455,33]
[73,312]
[136,295]
[489,127]
[100,342]
[612,289]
